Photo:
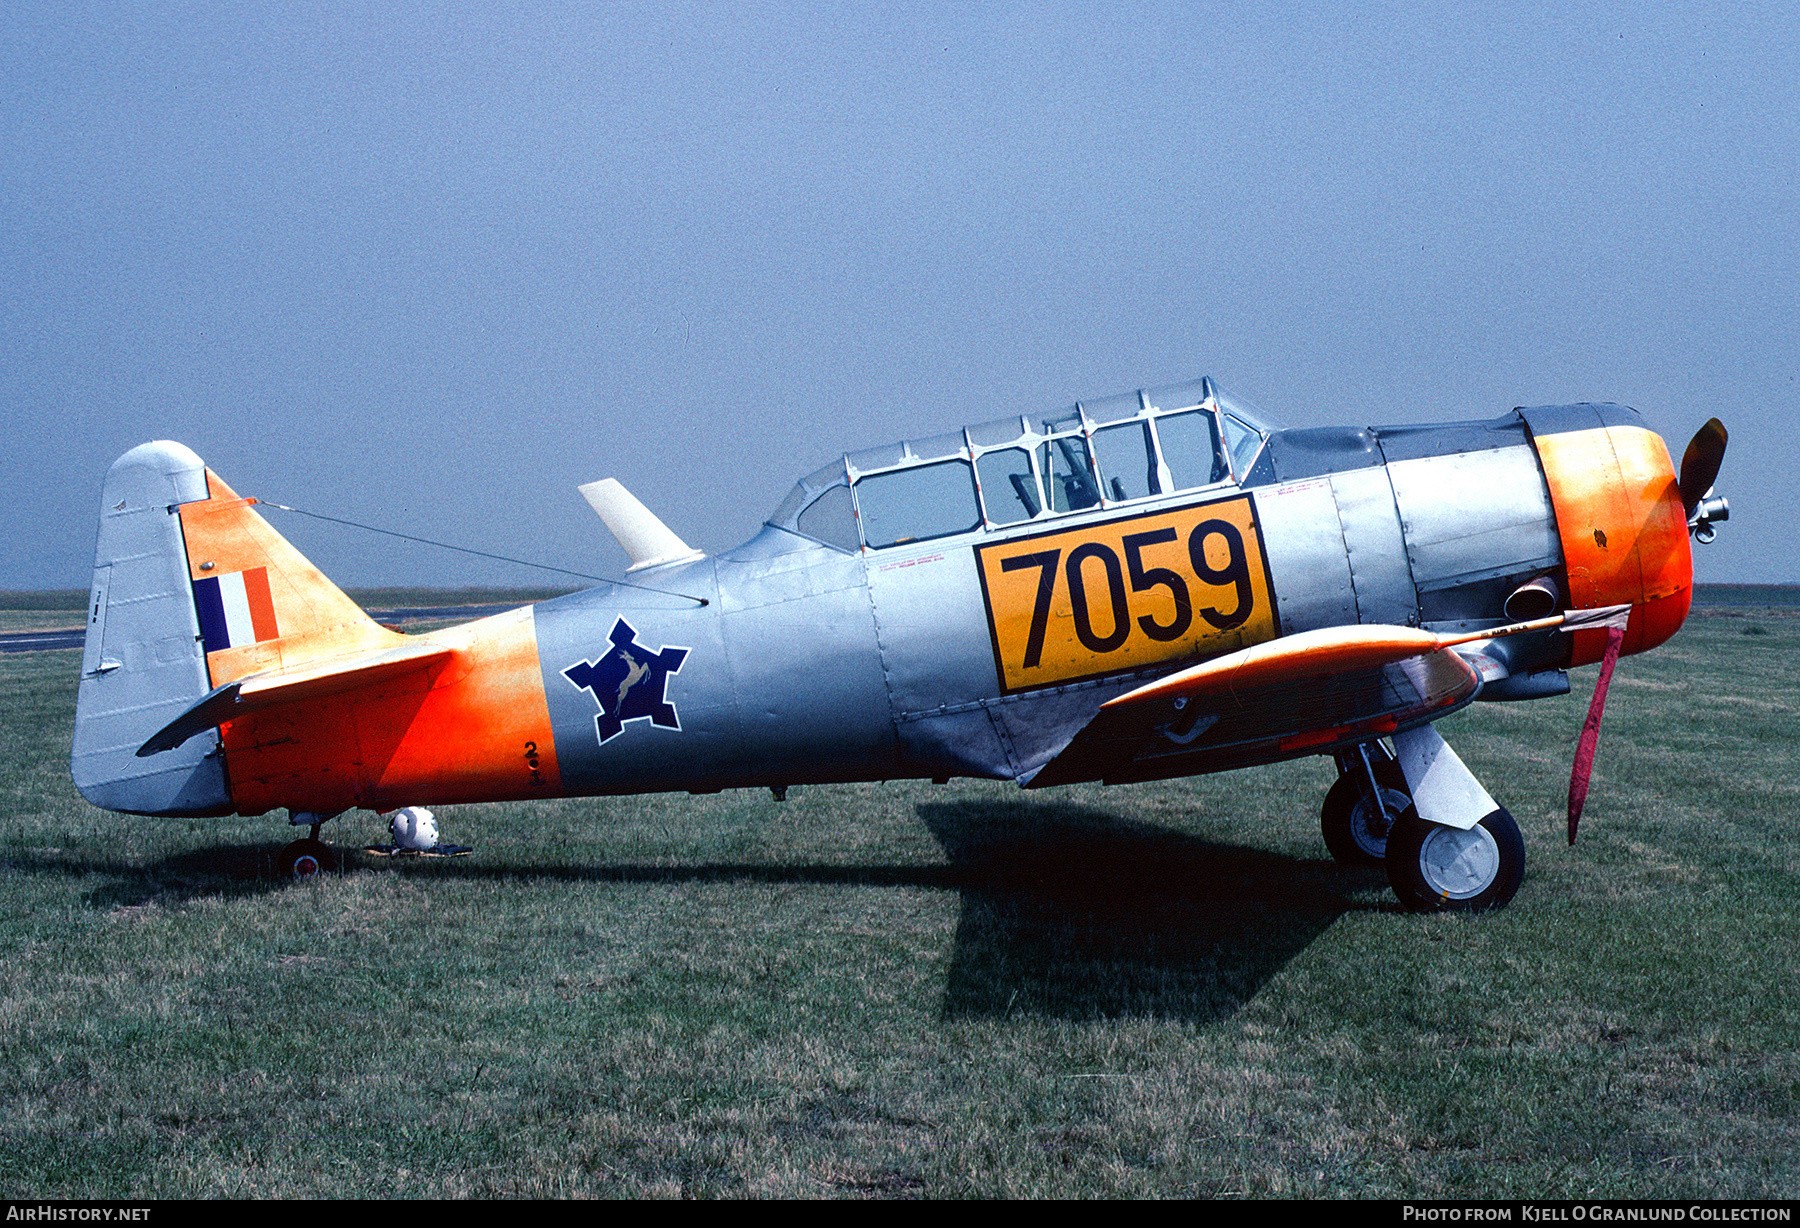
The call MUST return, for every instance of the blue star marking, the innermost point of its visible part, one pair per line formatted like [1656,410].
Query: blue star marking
[628,683]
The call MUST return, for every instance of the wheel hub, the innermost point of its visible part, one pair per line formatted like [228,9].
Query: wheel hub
[1459,864]
[1370,825]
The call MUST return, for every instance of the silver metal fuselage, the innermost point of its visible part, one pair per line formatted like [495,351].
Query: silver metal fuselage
[811,664]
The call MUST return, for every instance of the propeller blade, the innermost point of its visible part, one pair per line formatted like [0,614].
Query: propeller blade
[1700,463]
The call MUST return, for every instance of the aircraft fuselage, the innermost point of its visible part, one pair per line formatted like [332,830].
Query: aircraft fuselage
[811,664]
[958,606]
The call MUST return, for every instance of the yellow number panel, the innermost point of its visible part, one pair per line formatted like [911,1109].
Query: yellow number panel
[1186,583]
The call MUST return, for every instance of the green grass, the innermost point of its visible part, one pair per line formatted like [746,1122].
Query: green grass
[66,599]
[906,990]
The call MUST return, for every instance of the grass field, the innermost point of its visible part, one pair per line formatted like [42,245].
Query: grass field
[907,990]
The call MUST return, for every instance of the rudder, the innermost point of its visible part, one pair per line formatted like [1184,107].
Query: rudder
[142,663]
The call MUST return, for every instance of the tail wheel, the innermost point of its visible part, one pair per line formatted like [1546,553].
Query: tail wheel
[1436,868]
[306,859]
[1354,830]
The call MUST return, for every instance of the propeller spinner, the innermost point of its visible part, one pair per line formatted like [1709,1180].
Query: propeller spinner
[1699,468]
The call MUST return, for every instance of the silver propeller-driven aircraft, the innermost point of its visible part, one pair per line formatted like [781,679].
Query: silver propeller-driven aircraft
[1153,585]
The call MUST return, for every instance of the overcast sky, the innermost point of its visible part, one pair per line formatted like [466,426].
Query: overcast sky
[431,266]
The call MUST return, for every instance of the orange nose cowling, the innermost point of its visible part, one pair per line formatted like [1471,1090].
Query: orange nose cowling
[1623,529]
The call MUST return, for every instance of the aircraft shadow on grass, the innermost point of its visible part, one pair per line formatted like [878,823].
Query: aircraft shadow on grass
[1068,911]
[1074,912]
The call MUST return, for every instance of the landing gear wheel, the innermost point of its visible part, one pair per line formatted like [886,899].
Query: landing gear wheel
[307,858]
[1434,868]
[1353,831]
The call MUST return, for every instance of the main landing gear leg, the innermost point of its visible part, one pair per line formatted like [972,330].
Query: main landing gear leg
[310,857]
[1360,808]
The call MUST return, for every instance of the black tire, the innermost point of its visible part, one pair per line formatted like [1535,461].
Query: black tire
[305,859]
[1434,868]
[1355,835]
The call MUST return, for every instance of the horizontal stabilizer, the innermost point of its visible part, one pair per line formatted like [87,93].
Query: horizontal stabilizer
[310,680]
[645,539]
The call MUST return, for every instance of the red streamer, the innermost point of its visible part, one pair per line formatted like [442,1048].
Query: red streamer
[1590,732]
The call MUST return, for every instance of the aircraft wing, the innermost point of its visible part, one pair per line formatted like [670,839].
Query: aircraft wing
[1320,689]
[309,680]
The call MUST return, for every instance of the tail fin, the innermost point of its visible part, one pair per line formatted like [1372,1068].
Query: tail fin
[258,603]
[192,590]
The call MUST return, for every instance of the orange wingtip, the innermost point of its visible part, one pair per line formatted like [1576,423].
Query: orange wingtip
[1328,651]
[1332,651]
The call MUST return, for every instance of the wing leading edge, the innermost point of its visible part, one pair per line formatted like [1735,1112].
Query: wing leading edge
[1315,690]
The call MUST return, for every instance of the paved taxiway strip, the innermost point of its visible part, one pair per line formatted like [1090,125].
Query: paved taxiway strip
[40,641]
[71,637]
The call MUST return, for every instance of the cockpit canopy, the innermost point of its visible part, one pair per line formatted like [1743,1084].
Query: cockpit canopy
[1099,454]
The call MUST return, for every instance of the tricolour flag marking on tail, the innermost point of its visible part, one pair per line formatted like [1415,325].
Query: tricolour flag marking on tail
[235,609]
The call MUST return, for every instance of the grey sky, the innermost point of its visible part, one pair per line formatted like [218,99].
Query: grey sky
[432,266]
